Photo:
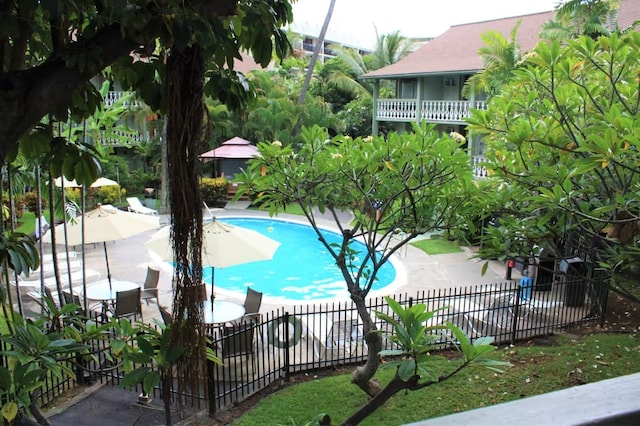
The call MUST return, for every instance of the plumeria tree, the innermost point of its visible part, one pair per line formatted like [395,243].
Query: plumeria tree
[563,143]
[413,182]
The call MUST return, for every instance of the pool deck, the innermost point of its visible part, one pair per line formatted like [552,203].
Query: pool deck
[128,260]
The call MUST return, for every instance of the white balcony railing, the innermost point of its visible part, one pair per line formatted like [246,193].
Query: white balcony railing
[114,96]
[479,169]
[431,110]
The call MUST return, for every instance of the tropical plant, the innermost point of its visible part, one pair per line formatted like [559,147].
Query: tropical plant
[35,350]
[419,179]
[562,145]
[500,57]
[574,18]
[148,356]
[18,254]
[414,332]
[272,120]
[171,53]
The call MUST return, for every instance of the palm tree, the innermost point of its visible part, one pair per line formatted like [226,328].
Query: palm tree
[500,58]
[390,48]
[314,56]
[582,17]
[272,120]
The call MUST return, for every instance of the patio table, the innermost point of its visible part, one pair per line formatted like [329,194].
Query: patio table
[223,311]
[107,294]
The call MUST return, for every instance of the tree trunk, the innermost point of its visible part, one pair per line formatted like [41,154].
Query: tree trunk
[185,115]
[394,386]
[312,63]
[363,375]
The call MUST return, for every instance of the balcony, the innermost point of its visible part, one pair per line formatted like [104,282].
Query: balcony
[446,112]
[114,96]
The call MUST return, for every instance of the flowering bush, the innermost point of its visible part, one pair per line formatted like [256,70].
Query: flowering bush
[213,189]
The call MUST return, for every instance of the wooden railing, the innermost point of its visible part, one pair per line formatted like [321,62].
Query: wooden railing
[430,110]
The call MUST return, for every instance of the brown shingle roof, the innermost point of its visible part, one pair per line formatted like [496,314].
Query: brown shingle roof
[456,50]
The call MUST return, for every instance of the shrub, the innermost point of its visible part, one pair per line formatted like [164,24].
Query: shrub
[73,195]
[109,194]
[18,205]
[213,189]
[31,201]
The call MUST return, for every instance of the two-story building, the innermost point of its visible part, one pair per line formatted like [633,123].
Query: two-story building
[428,82]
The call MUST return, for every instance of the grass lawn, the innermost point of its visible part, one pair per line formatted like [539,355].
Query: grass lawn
[567,362]
[436,245]
[292,208]
[27,223]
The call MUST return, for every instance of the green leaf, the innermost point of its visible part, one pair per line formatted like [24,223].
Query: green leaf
[10,411]
[5,378]
[133,377]
[407,370]
[150,380]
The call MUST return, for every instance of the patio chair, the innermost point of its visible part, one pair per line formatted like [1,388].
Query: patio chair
[128,304]
[238,341]
[75,299]
[252,303]
[135,206]
[150,287]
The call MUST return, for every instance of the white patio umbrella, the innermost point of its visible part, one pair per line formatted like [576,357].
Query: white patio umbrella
[105,223]
[223,245]
[73,184]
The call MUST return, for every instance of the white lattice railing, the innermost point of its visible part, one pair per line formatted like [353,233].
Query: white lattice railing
[430,110]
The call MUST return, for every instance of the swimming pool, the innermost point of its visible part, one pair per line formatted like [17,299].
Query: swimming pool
[301,269]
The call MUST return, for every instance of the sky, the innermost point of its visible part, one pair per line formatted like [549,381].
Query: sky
[356,20]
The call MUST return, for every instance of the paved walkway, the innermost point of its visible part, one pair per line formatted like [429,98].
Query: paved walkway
[128,260]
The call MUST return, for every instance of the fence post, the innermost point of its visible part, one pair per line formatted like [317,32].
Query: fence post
[516,311]
[211,388]
[287,361]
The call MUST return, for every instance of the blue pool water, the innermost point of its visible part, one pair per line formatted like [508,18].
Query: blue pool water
[301,268]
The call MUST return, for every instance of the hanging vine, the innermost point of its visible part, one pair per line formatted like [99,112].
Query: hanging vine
[185,132]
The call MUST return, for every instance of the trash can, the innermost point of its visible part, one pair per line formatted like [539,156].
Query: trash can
[545,271]
[575,271]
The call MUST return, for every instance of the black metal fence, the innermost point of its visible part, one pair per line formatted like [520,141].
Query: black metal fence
[312,337]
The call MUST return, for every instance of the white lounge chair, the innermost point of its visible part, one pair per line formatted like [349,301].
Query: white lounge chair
[91,276]
[136,206]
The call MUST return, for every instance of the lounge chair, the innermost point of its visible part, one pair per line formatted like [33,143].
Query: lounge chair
[136,206]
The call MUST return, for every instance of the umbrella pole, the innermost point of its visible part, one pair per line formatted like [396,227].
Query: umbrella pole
[106,258]
[213,295]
